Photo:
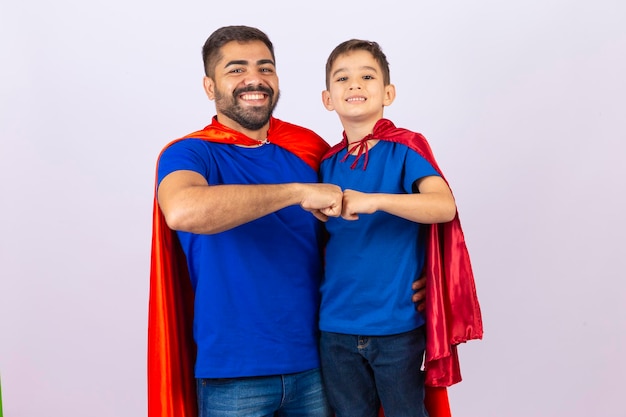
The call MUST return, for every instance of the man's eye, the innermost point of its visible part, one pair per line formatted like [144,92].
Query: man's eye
[267,70]
[237,70]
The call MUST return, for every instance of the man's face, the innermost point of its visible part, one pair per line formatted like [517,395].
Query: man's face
[245,88]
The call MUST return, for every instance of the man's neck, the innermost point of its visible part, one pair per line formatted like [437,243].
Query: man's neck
[258,135]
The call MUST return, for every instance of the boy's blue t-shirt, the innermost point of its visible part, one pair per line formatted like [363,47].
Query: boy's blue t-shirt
[253,315]
[372,262]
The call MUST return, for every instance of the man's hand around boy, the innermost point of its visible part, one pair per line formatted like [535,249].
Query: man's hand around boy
[419,295]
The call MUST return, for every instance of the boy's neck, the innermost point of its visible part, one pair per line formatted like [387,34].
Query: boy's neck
[355,131]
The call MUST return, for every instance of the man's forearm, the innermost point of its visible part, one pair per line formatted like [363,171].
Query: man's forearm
[212,209]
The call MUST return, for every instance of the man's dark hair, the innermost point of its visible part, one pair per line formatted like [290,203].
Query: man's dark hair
[359,45]
[211,51]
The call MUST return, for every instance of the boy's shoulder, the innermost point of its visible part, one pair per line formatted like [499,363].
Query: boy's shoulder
[388,131]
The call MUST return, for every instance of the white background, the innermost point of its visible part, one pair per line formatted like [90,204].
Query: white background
[523,103]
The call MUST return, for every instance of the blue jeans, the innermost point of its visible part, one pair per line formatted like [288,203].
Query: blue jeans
[292,395]
[361,372]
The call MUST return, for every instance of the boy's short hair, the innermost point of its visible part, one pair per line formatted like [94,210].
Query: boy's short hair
[359,45]
[211,51]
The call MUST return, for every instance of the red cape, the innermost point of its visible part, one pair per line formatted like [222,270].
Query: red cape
[171,349]
[452,310]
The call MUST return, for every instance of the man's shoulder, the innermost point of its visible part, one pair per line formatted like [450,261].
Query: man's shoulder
[182,142]
[279,126]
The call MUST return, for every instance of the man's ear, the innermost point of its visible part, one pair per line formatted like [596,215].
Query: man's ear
[390,94]
[327,101]
[209,87]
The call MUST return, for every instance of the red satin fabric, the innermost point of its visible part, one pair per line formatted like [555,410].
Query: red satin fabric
[171,349]
[436,401]
[298,140]
[452,310]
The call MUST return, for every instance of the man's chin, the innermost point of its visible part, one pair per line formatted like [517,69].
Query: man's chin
[258,117]
[250,125]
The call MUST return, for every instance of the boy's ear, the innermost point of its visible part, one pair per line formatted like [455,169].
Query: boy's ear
[327,101]
[209,87]
[390,94]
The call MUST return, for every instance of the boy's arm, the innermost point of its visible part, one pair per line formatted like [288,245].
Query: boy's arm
[433,204]
[189,204]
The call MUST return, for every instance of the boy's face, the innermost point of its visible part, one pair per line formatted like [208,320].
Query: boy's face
[357,91]
[245,88]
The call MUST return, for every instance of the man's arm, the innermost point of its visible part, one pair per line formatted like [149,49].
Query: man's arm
[433,204]
[189,204]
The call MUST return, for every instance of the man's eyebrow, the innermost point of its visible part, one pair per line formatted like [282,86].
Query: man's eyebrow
[236,62]
[244,62]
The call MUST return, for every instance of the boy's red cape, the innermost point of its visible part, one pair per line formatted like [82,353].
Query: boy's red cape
[171,349]
[452,310]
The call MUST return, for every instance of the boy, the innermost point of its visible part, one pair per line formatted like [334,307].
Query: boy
[373,339]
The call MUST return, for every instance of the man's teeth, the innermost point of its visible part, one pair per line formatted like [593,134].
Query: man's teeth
[253,96]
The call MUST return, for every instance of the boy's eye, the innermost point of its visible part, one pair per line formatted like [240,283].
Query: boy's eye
[368,77]
[342,78]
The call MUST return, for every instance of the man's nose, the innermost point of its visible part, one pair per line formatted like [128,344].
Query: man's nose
[253,78]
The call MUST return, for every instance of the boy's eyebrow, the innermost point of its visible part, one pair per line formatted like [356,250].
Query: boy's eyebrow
[245,62]
[364,67]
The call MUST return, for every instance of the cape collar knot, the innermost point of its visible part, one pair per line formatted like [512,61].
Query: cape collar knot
[361,147]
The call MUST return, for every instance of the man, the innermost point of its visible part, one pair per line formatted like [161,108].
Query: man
[236,215]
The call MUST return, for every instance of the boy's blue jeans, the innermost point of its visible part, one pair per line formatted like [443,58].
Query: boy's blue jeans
[361,372]
[292,395]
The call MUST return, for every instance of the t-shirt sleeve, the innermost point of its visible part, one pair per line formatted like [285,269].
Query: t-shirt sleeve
[415,168]
[182,155]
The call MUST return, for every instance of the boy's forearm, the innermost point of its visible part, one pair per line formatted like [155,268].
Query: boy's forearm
[426,208]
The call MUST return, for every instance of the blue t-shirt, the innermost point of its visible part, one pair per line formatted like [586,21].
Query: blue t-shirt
[256,285]
[372,262]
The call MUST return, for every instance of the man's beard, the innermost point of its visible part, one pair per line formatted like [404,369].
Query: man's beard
[251,118]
